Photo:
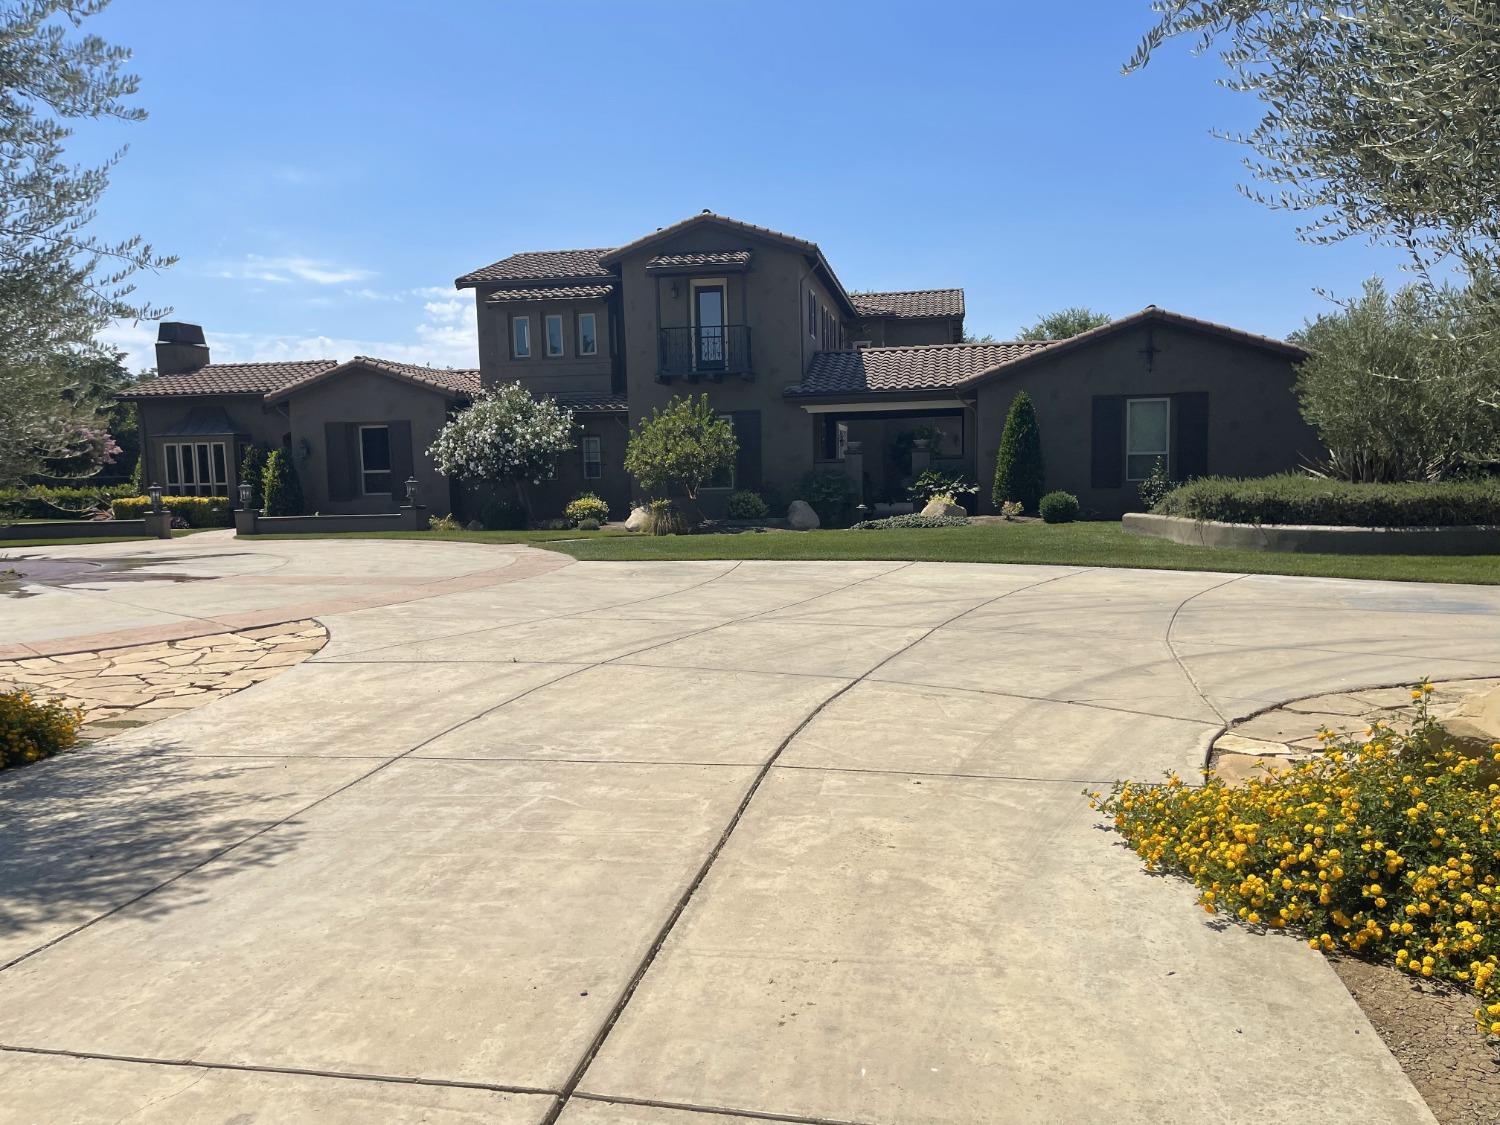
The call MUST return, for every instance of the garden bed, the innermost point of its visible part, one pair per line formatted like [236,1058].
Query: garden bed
[1296,499]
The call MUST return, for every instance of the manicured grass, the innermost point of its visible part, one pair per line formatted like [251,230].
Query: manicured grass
[1073,544]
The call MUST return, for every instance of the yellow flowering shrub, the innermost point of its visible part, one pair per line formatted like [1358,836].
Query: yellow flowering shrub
[32,730]
[1387,849]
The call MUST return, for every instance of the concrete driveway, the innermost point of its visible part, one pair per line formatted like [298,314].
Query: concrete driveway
[670,844]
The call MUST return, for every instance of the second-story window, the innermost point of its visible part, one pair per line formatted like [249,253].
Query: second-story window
[554,335]
[812,315]
[520,337]
[588,338]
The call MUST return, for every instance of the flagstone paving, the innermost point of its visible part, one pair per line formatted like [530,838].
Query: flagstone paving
[536,841]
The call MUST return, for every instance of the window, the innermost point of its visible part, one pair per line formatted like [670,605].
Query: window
[520,337]
[375,460]
[1147,435]
[724,479]
[812,315]
[593,458]
[196,468]
[588,339]
[554,335]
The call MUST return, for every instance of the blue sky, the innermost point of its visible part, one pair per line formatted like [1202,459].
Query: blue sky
[325,169]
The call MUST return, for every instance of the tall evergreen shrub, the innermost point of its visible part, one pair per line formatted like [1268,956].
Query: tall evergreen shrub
[1019,470]
[279,483]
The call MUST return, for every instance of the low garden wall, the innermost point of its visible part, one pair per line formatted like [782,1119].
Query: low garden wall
[253,523]
[1316,538]
[76,529]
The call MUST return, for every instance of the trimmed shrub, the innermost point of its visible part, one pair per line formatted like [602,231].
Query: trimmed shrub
[196,511]
[586,506]
[589,525]
[1296,499]
[664,518]
[747,506]
[1058,507]
[1020,472]
[911,519]
[31,730]
[1010,510]
[52,502]
[280,485]
[1382,846]
[830,494]
[502,515]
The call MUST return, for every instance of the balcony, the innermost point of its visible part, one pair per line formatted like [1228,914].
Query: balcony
[703,351]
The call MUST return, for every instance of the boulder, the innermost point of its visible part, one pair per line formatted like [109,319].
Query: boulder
[801,517]
[937,506]
[637,519]
[473,525]
[1478,719]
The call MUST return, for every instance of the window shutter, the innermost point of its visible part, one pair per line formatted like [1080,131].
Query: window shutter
[1108,437]
[747,462]
[401,462]
[1189,435]
[336,453]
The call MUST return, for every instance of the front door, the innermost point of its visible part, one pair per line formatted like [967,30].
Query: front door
[708,327]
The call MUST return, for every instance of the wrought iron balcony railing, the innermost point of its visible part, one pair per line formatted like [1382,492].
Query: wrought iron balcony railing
[720,350]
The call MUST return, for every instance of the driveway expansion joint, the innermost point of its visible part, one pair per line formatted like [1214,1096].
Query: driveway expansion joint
[714,1110]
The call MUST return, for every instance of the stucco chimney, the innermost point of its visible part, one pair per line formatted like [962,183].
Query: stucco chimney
[179,348]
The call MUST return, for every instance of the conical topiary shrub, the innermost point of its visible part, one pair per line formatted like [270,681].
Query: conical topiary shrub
[1019,471]
[279,483]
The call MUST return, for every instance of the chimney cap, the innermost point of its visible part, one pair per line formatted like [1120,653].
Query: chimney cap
[179,332]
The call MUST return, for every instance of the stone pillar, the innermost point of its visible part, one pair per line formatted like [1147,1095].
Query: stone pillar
[854,468]
[245,520]
[158,524]
[413,517]
[921,457]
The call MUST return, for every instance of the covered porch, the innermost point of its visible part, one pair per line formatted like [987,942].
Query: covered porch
[883,446]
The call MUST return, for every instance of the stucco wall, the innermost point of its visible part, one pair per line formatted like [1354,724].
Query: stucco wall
[253,420]
[366,397]
[541,372]
[1254,426]
[774,306]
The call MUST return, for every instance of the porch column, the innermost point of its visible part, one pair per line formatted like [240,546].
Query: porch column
[854,467]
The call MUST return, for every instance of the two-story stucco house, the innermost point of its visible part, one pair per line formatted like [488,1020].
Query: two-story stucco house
[811,376]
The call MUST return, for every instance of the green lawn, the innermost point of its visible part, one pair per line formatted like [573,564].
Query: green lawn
[1074,544]
[68,542]
[539,538]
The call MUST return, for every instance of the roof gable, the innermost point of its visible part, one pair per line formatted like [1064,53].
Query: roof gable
[453,382]
[709,218]
[1148,315]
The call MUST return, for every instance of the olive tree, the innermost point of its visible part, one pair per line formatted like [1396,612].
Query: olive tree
[1405,387]
[59,285]
[1382,117]
[683,444]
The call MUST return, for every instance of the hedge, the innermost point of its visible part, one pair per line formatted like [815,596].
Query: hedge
[196,511]
[54,502]
[1296,499]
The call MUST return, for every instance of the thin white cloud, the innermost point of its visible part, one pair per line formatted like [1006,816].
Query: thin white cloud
[443,337]
[286,270]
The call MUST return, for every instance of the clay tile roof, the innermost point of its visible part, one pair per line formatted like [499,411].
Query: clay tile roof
[689,261]
[231,379]
[540,265]
[462,380]
[711,217]
[910,303]
[929,367]
[552,293]
[591,401]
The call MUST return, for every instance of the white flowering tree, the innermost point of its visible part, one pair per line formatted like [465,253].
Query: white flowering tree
[507,436]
